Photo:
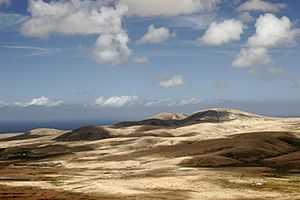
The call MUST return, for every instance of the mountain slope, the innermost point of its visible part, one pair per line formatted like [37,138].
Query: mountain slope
[87,133]
[205,116]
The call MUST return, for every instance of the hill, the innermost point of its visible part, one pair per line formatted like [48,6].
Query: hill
[87,133]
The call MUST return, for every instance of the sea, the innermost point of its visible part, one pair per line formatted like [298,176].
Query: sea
[21,127]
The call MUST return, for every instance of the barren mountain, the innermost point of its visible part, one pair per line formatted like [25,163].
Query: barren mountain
[87,133]
[210,154]
[180,120]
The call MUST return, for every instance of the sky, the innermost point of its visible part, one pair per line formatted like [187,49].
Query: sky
[128,59]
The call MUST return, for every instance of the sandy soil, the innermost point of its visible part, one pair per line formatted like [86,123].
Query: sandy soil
[151,167]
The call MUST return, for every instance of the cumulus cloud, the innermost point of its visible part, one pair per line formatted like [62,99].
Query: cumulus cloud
[223,32]
[71,18]
[262,6]
[168,8]
[156,35]
[252,58]
[112,48]
[272,31]
[116,101]
[173,82]
[82,17]
[41,101]
[5,2]
[122,101]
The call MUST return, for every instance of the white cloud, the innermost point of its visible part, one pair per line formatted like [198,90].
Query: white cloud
[41,101]
[260,5]
[71,18]
[192,101]
[173,82]
[170,102]
[252,58]
[272,31]
[156,35]
[223,32]
[162,102]
[112,48]
[221,84]
[5,2]
[116,101]
[82,17]
[121,101]
[168,8]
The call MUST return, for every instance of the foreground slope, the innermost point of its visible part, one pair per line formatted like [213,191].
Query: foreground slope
[211,154]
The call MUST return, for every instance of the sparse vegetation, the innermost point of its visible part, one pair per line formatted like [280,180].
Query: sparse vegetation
[208,164]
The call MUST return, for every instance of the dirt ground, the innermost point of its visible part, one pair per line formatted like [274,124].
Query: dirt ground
[215,161]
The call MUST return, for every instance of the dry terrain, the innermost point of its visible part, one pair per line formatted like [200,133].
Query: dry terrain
[213,154]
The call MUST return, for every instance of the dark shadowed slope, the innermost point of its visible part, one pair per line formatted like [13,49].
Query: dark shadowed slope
[24,136]
[269,149]
[38,151]
[87,133]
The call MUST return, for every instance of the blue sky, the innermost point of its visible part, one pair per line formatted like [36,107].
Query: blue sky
[129,58]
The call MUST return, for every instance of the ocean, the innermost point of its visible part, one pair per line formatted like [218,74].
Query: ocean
[17,127]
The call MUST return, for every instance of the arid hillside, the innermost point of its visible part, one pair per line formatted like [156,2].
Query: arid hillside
[210,154]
